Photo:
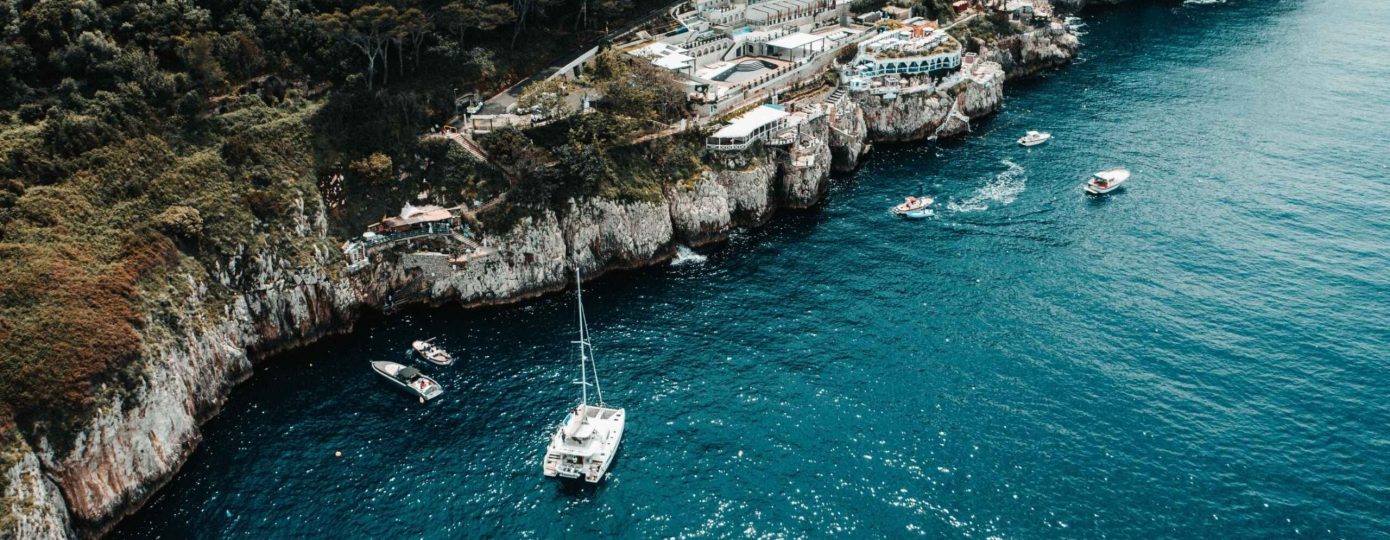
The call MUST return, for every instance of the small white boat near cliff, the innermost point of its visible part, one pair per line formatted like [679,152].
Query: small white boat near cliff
[431,352]
[585,443]
[1034,138]
[1106,181]
[912,205]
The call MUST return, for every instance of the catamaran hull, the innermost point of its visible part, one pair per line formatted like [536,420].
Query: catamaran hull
[575,458]
[603,469]
[571,475]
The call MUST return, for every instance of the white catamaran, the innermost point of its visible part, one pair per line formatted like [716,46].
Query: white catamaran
[584,444]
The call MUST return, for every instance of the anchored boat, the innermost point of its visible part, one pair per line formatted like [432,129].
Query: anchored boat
[431,352]
[584,444]
[408,379]
[922,213]
[1106,181]
[913,205]
[1034,138]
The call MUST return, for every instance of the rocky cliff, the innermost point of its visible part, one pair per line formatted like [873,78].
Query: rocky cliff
[1034,52]
[739,193]
[36,508]
[805,166]
[137,441]
[930,112]
[849,136]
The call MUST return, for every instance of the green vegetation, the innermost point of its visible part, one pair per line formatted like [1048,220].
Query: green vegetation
[985,29]
[147,143]
[939,10]
[593,153]
[86,254]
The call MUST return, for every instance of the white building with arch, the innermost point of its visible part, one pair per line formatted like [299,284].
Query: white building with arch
[906,51]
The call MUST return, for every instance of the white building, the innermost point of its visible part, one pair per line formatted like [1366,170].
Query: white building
[667,56]
[754,125]
[906,51]
[796,45]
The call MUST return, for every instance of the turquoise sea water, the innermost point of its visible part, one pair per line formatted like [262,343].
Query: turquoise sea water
[1204,354]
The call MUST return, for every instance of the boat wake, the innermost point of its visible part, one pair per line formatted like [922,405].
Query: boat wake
[685,255]
[1002,189]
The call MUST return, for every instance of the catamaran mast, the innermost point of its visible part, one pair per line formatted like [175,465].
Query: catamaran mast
[583,361]
[586,349]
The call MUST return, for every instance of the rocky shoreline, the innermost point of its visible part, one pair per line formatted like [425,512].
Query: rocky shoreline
[133,446]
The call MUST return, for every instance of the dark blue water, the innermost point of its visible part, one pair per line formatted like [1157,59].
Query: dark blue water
[1205,354]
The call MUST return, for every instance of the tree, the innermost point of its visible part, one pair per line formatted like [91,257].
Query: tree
[51,24]
[637,90]
[415,26]
[375,168]
[607,10]
[199,55]
[460,17]
[545,99]
[481,61]
[368,28]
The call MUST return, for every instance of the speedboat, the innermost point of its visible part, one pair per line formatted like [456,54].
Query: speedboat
[921,213]
[408,379]
[912,204]
[1106,181]
[584,444]
[1034,138]
[434,353]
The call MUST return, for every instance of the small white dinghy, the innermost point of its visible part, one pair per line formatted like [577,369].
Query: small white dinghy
[431,352]
[408,379]
[912,205]
[1034,138]
[1106,181]
[584,444]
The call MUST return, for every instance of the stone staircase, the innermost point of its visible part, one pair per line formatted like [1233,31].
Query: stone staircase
[834,98]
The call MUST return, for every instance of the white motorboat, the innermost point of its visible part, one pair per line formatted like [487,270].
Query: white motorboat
[431,352]
[912,204]
[922,213]
[1106,181]
[585,443]
[409,379]
[1034,138]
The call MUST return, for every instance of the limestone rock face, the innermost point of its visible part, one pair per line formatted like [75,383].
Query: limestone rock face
[603,234]
[750,192]
[942,113]
[530,260]
[1029,54]
[984,94]
[700,213]
[806,167]
[907,117]
[37,508]
[135,443]
[848,136]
